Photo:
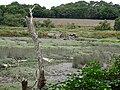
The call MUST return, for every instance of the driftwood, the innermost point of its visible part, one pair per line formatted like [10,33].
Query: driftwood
[34,35]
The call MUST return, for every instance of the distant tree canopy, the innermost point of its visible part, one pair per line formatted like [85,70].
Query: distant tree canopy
[13,14]
[85,10]
[80,10]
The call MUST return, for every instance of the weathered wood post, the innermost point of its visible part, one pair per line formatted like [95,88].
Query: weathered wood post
[38,51]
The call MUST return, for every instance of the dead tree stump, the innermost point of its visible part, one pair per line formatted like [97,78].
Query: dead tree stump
[24,85]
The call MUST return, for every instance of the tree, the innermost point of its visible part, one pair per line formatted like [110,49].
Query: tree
[31,29]
[80,9]
[38,11]
[108,12]
[15,8]
[117,24]
[13,20]
[12,14]
[1,17]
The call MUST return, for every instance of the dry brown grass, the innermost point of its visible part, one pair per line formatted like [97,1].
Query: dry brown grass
[81,22]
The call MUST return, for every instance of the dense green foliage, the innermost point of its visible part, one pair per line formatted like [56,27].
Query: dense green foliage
[45,24]
[113,74]
[90,10]
[92,77]
[80,9]
[48,23]
[103,25]
[13,14]
[14,20]
[117,24]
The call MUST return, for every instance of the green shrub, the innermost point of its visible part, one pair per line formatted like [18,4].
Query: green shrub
[90,78]
[93,77]
[71,26]
[48,23]
[14,20]
[113,74]
[38,24]
[103,25]
[117,24]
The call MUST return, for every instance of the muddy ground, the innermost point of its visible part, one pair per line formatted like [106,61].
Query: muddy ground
[56,72]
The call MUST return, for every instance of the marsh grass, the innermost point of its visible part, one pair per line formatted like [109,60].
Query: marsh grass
[91,45]
[10,86]
[55,48]
[14,85]
[83,31]
[81,51]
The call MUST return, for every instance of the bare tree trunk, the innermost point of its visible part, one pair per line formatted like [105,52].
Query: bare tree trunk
[24,85]
[34,35]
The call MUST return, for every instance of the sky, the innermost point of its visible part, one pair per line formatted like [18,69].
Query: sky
[49,3]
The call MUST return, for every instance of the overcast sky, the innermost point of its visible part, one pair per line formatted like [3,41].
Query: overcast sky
[50,3]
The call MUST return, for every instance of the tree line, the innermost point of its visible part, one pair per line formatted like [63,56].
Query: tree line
[15,12]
